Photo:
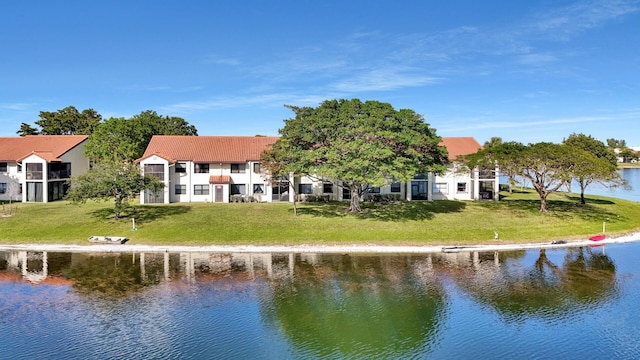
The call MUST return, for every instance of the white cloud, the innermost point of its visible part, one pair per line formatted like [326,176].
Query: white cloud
[16,106]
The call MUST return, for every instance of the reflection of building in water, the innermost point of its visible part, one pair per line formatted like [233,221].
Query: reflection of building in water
[36,267]
[275,265]
[32,265]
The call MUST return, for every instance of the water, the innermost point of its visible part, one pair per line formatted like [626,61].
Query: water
[632,175]
[576,303]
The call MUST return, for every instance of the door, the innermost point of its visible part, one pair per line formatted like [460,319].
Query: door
[419,190]
[219,193]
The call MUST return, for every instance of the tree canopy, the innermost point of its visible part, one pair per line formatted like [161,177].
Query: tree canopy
[595,163]
[362,144]
[26,129]
[67,121]
[127,139]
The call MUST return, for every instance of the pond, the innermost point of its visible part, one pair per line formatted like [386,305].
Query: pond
[570,303]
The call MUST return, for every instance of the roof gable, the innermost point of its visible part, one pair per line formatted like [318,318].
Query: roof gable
[48,147]
[459,146]
[209,149]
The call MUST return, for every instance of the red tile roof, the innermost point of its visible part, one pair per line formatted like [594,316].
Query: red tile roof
[49,147]
[457,146]
[240,149]
[209,149]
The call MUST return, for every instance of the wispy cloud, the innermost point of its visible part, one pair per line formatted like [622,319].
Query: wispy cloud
[16,106]
[230,102]
[484,124]
[388,78]
[162,88]
[220,60]
[565,22]
[374,61]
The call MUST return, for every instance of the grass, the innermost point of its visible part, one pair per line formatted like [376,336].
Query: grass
[516,219]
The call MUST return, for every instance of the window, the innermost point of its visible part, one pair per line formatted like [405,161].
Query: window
[305,189]
[201,168]
[3,188]
[327,188]
[181,168]
[238,168]
[258,188]
[34,171]
[346,194]
[395,187]
[59,170]
[156,170]
[256,168]
[238,189]
[180,189]
[3,167]
[462,187]
[57,190]
[201,189]
[441,188]
[375,190]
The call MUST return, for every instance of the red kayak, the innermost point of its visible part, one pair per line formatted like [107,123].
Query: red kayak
[598,237]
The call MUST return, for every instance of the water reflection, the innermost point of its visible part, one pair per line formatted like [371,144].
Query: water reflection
[544,289]
[287,305]
[358,306]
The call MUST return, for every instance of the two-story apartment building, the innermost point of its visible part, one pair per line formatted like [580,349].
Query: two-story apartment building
[35,168]
[207,168]
[227,168]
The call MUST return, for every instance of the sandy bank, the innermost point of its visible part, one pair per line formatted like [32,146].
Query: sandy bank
[320,249]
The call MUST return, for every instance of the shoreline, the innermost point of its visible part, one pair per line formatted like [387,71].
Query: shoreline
[319,249]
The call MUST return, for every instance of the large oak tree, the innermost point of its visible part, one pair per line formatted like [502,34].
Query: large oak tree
[362,144]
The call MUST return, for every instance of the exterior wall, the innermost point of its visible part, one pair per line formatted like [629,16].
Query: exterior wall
[452,185]
[156,160]
[29,181]
[12,179]
[79,163]
[189,180]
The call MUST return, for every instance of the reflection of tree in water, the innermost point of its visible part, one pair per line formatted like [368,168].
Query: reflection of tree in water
[546,291]
[113,275]
[358,307]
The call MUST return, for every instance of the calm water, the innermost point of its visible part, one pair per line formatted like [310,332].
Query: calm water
[632,175]
[577,303]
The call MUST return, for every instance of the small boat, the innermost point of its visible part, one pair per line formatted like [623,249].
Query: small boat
[108,239]
[598,237]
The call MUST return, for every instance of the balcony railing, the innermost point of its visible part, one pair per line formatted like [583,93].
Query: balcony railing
[59,174]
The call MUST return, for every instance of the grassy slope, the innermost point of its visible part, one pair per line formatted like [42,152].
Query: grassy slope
[516,218]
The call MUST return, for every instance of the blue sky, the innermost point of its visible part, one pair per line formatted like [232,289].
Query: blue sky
[527,71]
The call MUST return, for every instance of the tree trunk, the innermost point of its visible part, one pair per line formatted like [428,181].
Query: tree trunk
[295,205]
[543,203]
[354,204]
[582,188]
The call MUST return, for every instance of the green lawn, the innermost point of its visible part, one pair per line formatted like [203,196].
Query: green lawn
[515,218]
